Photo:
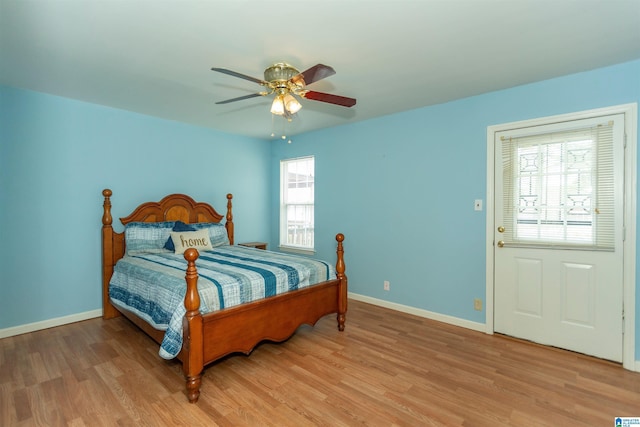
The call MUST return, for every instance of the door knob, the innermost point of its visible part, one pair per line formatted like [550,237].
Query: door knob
[500,243]
[501,229]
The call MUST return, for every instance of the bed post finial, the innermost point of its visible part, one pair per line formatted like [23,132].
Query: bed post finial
[106,216]
[343,286]
[340,251]
[229,224]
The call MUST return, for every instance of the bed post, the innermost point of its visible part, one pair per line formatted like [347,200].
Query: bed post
[229,224]
[342,287]
[193,339]
[108,310]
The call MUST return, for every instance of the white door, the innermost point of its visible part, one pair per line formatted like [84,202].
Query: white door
[558,240]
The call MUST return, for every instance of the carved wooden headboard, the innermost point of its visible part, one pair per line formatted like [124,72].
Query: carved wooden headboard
[175,207]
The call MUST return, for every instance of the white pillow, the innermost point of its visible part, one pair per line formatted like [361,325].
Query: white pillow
[183,240]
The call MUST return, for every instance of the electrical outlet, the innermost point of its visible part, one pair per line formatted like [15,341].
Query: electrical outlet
[477,304]
[386,285]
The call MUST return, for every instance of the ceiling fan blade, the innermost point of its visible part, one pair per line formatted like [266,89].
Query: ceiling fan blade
[240,98]
[327,97]
[313,74]
[241,76]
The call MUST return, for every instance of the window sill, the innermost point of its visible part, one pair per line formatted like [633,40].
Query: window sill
[294,250]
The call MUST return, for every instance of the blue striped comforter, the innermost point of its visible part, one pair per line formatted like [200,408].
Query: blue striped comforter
[153,285]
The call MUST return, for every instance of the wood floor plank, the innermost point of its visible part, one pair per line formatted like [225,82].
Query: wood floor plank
[386,369]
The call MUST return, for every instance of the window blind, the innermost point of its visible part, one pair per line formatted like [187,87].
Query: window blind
[558,188]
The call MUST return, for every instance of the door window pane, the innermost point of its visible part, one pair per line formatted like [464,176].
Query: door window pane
[559,187]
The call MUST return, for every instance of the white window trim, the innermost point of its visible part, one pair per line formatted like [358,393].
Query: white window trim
[283,219]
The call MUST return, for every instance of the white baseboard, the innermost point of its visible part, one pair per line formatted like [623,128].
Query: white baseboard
[480,327]
[46,324]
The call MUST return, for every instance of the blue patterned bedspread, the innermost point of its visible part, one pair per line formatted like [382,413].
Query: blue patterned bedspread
[153,285]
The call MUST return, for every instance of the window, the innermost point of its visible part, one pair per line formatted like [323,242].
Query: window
[559,187]
[297,203]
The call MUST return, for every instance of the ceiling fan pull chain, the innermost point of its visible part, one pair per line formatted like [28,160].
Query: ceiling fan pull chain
[273,127]
[284,128]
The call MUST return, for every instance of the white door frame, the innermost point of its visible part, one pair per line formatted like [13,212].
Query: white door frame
[629,227]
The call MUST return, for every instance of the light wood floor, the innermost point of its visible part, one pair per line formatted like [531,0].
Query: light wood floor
[386,368]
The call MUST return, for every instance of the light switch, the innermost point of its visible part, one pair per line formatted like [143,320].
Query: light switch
[477,205]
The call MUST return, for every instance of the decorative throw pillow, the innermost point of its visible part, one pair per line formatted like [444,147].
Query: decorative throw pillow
[179,226]
[183,240]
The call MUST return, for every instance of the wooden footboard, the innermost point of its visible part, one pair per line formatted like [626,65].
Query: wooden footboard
[208,337]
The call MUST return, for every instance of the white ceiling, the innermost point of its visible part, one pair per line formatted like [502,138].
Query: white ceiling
[154,57]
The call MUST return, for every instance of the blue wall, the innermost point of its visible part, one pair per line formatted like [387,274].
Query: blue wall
[56,156]
[402,187]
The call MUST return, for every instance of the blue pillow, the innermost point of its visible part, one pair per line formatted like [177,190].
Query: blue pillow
[179,226]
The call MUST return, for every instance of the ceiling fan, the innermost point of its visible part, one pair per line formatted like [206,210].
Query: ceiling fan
[286,81]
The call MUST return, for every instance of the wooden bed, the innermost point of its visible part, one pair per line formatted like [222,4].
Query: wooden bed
[211,336]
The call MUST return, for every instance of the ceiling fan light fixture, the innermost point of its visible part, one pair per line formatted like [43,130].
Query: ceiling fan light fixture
[291,104]
[277,107]
[285,82]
